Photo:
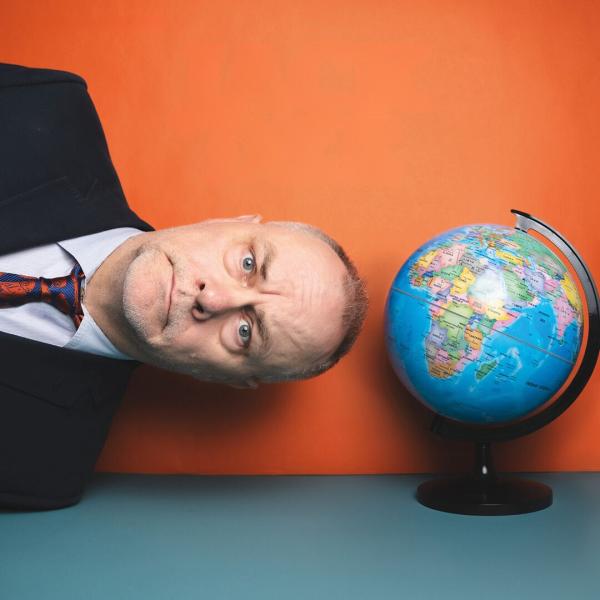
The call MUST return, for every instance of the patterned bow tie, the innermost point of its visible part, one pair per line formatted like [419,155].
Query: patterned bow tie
[64,293]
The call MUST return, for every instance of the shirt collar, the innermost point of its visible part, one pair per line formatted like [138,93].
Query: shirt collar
[90,251]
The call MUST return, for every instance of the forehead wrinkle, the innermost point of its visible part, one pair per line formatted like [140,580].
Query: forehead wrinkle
[306,291]
[277,331]
[307,299]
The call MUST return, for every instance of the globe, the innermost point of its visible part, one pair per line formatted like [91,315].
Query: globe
[483,324]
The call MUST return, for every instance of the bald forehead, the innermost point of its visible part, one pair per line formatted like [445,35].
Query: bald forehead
[305,295]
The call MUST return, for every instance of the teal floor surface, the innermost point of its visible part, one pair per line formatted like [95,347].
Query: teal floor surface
[298,537]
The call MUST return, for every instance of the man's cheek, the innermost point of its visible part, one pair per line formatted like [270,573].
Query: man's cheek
[197,343]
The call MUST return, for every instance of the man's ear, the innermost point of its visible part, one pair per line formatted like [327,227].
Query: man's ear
[245,384]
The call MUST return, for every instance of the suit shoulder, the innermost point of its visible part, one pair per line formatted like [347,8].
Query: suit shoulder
[17,75]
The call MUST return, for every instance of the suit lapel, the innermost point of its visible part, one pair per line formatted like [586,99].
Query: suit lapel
[57,210]
[32,217]
[57,375]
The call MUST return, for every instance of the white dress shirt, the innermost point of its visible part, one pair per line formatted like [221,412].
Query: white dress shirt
[44,323]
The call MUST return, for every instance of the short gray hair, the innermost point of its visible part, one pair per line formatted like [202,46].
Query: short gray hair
[355,306]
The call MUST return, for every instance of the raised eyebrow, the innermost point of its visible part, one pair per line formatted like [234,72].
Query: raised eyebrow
[268,253]
[263,331]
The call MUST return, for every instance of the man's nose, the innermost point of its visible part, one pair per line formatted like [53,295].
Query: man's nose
[217,297]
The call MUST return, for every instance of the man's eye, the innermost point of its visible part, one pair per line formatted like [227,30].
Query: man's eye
[249,263]
[245,333]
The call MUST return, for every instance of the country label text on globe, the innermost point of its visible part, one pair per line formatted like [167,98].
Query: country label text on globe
[484,323]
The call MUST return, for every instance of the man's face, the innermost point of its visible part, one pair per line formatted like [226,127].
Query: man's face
[233,300]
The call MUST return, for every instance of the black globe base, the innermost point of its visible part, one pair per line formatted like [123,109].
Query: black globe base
[483,492]
[470,496]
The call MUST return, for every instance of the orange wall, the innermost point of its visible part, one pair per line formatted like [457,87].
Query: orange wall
[385,123]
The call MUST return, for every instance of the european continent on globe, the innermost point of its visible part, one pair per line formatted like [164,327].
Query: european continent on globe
[484,323]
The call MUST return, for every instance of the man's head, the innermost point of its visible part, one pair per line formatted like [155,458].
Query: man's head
[231,300]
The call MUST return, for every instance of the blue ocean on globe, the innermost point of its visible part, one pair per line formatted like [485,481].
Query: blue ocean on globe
[483,324]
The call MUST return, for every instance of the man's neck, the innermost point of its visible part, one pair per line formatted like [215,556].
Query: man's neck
[104,294]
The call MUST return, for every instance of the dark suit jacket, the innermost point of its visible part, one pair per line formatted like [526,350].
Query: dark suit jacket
[57,181]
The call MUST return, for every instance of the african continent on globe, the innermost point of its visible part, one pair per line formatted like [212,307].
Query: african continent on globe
[483,324]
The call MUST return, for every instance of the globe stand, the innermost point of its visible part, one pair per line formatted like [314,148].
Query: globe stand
[483,492]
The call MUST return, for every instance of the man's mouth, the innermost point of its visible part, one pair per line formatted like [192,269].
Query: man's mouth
[171,289]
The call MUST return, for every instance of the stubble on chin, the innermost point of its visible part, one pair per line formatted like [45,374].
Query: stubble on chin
[139,297]
[153,333]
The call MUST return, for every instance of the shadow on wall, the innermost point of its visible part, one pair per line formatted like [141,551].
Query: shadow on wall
[429,452]
[213,409]
[170,421]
